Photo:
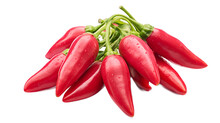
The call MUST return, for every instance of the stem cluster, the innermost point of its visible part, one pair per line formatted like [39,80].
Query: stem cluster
[111,30]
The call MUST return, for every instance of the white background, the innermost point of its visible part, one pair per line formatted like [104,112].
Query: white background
[28,29]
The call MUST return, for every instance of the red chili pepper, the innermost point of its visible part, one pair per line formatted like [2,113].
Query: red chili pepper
[169,78]
[173,49]
[81,55]
[46,77]
[139,56]
[65,41]
[88,85]
[142,83]
[115,74]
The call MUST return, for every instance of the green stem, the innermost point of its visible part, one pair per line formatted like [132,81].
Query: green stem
[92,29]
[136,24]
[126,12]
[119,29]
[119,22]
[100,54]
[101,21]
[116,42]
[102,41]
[131,21]
[96,34]
[145,30]
[113,36]
[129,15]
[123,18]
[65,51]
[102,58]
[113,45]
[101,45]
[107,25]
[98,27]
[108,45]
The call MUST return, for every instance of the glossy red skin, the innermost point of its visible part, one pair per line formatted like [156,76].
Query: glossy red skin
[173,49]
[115,75]
[46,77]
[65,41]
[169,78]
[142,83]
[81,55]
[139,56]
[88,85]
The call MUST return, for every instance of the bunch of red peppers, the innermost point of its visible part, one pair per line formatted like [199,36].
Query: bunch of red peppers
[87,58]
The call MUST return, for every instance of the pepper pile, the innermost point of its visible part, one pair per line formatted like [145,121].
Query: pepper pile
[87,58]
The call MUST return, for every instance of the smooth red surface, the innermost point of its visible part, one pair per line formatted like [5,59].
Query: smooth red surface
[88,85]
[173,49]
[142,83]
[46,77]
[115,75]
[65,41]
[169,78]
[81,55]
[139,56]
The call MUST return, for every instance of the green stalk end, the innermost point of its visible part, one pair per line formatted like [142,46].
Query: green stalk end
[65,52]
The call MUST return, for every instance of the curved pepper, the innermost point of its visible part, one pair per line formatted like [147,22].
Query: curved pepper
[139,56]
[65,41]
[81,55]
[169,78]
[142,83]
[88,85]
[46,77]
[173,49]
[115,75]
